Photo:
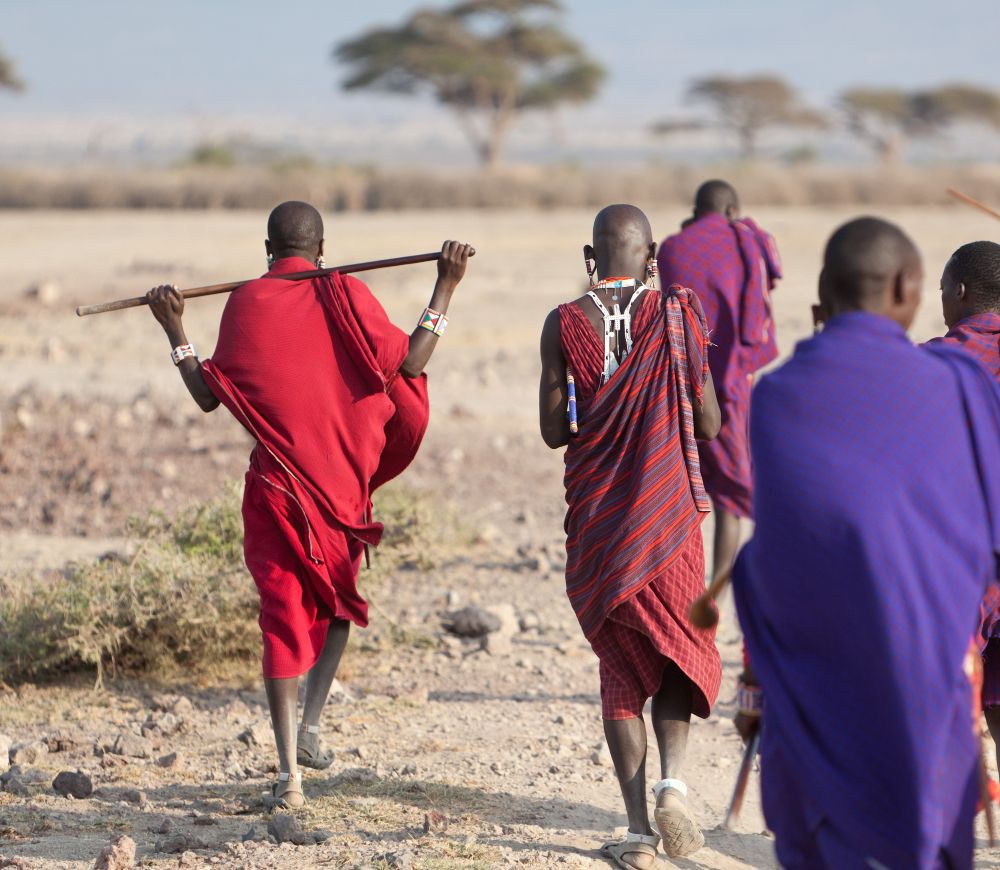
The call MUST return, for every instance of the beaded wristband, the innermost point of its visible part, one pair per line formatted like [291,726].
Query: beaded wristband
[433,321]
[749,699]
[182,352]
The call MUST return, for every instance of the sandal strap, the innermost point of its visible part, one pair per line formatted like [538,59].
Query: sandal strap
[646,839]
[676,784]
[308,729]
[285,776]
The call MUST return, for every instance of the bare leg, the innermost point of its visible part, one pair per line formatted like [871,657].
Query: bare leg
[627,742]
[283,701]
[672,720]
[726,543]
[671,723]
[318,683]
[322,674]
[993,723]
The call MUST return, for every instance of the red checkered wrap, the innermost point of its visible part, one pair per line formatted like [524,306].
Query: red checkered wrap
[644,634]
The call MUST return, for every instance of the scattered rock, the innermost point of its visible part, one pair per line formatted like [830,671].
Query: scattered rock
[452,598]
[59,742]
[74,783]
[46,293]
[471,621]
[530,621]
[4,752]
[28,753]
[169,761]
[119,854]
[498,644]
[283,827]
[339,694]
[401,860]
[206,821]
[174,844]
[132,746]
[133,796]
[258,734]
[509,623]
[435,822]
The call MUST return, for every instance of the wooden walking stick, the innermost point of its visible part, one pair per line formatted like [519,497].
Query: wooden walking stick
[703,611]
[975,203]
[742,778]
[213,289]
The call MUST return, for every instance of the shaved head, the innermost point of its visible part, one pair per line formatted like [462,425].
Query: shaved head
[716,197]
[623,241]
[871,265]
[295,229]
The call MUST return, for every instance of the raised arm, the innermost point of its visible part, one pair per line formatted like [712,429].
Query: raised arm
[451,270]
[167,306]
[552,391]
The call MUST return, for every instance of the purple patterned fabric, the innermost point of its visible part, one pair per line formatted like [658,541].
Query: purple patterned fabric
[877,507]
[731,266]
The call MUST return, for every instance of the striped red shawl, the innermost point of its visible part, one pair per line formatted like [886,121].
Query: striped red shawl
[633,485]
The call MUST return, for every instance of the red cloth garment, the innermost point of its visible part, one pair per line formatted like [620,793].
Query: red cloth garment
[979,335]
[642,636]
[635,498]
[732,266]
[310,369]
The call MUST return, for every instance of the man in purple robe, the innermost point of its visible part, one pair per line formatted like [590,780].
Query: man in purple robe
[732,265]
[970,300]
[877,512]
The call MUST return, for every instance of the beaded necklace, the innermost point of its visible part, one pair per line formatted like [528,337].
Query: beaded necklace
[618,323]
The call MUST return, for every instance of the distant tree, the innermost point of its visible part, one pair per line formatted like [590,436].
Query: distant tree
[486,60]
[746,106]
[886,118]
[8,78]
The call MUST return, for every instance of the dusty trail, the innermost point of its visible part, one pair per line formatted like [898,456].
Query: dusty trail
[504,743]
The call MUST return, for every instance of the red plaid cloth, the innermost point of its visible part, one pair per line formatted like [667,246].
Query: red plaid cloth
[640,638]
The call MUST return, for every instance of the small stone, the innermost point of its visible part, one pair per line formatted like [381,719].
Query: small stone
[61,743]
[258,734]
[452,598]
[498,644]
[182,707]
[74,783]
[435,822]
[54,350]
[505,613]
[5,742]
[28,753]
[169,761]
[119,854]
[46,293]
[283,827]
[206,821]
[471,621]
[529,621]
[132,746]
[177,843]
[134,796]
[339,694]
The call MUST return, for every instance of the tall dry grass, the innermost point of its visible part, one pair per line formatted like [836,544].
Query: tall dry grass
[337,189]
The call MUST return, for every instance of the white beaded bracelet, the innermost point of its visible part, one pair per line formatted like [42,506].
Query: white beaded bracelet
[182,352]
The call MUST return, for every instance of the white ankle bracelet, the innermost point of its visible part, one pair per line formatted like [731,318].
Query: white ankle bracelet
[284,776]
[676,784]
[309,729]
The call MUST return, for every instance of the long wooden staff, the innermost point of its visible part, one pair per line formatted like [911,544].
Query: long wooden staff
[703,611]
[975,203]
[212,289]
[742,778]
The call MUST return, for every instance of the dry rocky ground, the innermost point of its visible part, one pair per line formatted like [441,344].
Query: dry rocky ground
[448,755]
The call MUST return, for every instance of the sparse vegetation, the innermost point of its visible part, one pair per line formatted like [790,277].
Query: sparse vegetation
[182,602]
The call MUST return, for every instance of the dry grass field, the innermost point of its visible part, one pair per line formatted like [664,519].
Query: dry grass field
[95,427]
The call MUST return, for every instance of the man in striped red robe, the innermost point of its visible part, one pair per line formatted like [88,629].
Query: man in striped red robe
[970,301]
[732,264]
[635,558]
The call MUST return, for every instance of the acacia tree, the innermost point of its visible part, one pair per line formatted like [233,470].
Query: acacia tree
[885,118]
[746,106]
[488,61]
[8,78]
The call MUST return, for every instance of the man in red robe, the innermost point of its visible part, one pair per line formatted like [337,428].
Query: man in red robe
[732,264]
[635,559]
[336,399]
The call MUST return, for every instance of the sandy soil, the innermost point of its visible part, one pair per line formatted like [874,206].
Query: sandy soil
[95,426]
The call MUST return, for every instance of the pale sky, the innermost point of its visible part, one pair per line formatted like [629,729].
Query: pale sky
[212,57]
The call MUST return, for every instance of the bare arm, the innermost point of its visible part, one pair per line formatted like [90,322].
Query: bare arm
[167,306]
[707,415]
[451,270]
[552,391]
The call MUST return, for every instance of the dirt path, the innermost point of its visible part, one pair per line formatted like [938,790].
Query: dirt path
[505,744]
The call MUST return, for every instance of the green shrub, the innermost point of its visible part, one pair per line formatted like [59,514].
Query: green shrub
[183,602]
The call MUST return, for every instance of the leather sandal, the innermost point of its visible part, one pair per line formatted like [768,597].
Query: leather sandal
[635,852]
[681,834]
[286,793]
[307,750]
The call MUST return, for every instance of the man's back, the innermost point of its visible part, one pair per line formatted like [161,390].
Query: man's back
[859,590]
